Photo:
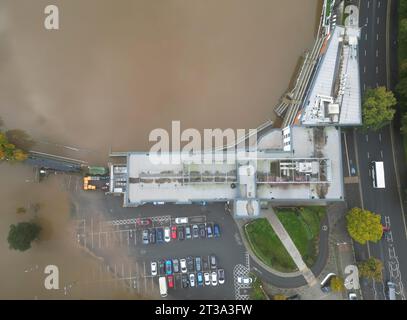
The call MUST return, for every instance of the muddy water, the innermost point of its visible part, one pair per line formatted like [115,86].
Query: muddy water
[118,69]
[22,274]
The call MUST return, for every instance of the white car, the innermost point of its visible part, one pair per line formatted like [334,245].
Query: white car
[192,280]
[244,280]
[207,279]
[353,296]
[181,220]
[214,279]
[153,268]
[183,264]
[167,234]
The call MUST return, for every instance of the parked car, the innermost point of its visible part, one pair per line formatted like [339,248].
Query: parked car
[190,264]
[202,231]
[221,276]
[212,261]
[153,268]
[183,265]
[209,232]
[152,236]
[214,279]
[145,236]
[195,232]
[353,296]
[205,265]
[168,267]
[207,279]
[170,281]
[294,297]
[175,265]
[143,222]
[192,280]
[216,230]
[188,234]
[198,265]
[199,279]
[174,232]
[161,267]
[244,280]
[184,281]
[167,234]
[183,220]
[181,233]
[160,235]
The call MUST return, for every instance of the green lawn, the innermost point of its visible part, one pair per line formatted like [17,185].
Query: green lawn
[268,247]
[303,225]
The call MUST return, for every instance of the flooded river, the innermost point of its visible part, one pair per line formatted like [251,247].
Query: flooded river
[118,69]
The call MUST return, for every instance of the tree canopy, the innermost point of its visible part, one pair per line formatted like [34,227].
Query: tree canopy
[337,284]
[21,235]
[371,269]
[378,108]
[9,152]
[364,225]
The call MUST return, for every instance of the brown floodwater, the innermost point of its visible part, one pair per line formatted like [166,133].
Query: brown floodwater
[22,273]
[118,69]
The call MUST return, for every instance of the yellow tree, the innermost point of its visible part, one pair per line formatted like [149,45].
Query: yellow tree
[371,269]
[337,284]
[279,297]
[19,155]
[364,225]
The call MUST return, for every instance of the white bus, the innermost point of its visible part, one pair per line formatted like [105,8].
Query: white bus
[377,170]
[162,281]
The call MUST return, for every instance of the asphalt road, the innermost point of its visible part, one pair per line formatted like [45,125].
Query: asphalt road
[376,146]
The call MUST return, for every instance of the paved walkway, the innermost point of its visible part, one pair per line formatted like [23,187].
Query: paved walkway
[289,245]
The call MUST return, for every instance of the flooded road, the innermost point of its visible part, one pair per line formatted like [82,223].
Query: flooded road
[22,273]
[118,69]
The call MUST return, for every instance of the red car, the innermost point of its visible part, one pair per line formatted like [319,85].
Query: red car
[170,281]
[174,232]
[143,222]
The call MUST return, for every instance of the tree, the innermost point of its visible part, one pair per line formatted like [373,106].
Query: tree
[21,235]
[337,284]
[9,152]
[378,108]
[20,139]
[404,124]
[364,225]
[371,269]
[21,210]
[279,297]
[403,30]
[402,88]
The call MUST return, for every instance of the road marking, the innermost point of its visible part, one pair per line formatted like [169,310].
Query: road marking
[368,155]
[367,138]
[377,70]
[381,153]
[378,20]
[380,137]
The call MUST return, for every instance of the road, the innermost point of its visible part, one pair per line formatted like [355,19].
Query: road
[377,146]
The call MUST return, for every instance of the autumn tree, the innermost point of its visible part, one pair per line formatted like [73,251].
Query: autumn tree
[364,225]
[279,297]
[9,152]
[371,269]
[378,108]
[337,284]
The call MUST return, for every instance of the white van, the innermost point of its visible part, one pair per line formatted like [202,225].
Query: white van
[162,281]
[391,288]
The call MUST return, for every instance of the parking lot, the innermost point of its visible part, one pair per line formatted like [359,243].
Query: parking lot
[104,225]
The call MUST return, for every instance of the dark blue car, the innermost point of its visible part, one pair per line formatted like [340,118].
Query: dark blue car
[160,235]
[216,230]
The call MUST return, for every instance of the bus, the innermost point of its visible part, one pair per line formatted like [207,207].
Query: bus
[162,281]
[377,170]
